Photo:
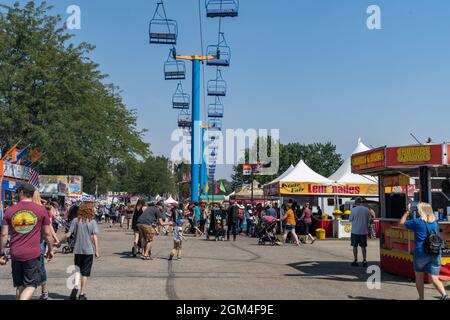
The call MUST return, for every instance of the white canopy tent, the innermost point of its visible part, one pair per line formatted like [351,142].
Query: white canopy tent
[302,173]
[171,201]
[344,174]
[289,170]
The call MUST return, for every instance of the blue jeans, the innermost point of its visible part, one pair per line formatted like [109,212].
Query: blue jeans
[42,268]
[424,262]
[249,227]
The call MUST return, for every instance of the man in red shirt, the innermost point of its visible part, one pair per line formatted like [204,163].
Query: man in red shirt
[25,222]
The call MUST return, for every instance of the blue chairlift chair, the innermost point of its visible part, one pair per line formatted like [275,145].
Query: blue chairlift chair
[221,52]
[215,124]
[222,8]
[184,120]
[174,69]
[216,109]
[218,86]
[161,29]
[180,100]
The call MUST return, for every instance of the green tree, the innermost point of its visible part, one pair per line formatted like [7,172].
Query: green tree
[53,96]
[321,157]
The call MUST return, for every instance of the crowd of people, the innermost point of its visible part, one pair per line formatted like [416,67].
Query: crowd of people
[30,233]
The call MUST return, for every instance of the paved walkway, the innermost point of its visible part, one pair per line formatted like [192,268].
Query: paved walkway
[223,271]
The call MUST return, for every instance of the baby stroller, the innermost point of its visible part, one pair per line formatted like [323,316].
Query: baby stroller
[267,233]
[69,247]
[219,226]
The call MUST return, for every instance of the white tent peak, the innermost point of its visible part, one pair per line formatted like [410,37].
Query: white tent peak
[344,173]
[171,201]
[289,170]
[303,173]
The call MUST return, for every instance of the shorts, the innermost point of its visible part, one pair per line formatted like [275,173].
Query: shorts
[177,245]
[196,220]
[27,273]
[289,227]
[428,263]
[84,263]
[146,232]
[359,240]
[129,216]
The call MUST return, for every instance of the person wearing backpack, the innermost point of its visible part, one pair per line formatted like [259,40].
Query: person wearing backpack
[428,247]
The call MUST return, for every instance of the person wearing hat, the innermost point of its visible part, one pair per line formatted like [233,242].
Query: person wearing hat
[26,222]
[360,218]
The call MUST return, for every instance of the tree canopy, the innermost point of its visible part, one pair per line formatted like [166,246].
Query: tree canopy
[54,97]
[321,157]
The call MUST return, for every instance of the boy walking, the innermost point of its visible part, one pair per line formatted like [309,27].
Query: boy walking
[177,240]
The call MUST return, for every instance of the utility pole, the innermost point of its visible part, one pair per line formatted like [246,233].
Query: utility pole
[196,148]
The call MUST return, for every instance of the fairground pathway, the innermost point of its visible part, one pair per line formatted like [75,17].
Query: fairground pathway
[222,271]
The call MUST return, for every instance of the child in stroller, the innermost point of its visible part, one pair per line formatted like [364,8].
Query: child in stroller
[267,233]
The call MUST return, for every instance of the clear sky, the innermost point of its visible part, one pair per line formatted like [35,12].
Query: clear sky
[308,67]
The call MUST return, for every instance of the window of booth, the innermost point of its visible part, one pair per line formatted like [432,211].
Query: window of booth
[9,196]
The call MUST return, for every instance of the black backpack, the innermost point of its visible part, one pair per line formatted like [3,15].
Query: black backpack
[433,243]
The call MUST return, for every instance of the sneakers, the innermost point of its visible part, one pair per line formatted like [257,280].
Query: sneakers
[355,264]
[82,297]
[134,251]
[364,264]
[444,297]
[73,294]
[44,295]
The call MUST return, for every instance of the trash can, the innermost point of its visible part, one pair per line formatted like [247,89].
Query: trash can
[320,233]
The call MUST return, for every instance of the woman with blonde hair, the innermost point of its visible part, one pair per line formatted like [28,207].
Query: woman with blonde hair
[422,223]
[85,229]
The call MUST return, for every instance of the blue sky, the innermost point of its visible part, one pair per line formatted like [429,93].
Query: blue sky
[310,68]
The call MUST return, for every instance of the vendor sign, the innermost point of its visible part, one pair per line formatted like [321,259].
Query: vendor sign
[414,156]
[368,160]
[15,171]
[400,180]
[75,186]
[272,189]
[304,188]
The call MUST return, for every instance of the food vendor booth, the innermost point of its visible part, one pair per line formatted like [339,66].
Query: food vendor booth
[409,173]
[302,184]
[341,204]
[12,176]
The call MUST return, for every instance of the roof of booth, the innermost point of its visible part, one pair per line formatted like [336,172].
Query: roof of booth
[344,174]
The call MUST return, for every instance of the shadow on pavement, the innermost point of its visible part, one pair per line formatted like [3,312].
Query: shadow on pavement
[57,296]
[337,270]
[125,255]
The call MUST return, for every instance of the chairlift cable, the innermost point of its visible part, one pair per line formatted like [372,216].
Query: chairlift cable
[203,65]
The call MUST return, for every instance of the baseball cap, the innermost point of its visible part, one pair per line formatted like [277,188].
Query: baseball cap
[26,187]
[359,200]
